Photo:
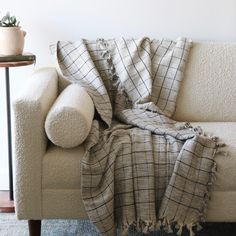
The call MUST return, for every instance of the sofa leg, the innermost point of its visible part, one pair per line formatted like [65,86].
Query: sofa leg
[34,227]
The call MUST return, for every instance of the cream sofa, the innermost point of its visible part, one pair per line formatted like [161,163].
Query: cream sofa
[48,177]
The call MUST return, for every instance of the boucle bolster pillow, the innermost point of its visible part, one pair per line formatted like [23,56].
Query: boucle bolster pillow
[70,118]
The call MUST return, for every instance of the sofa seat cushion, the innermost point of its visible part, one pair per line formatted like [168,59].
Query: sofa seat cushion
[61,167]
[69,204]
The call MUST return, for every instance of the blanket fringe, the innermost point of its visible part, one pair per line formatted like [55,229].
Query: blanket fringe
[125,228]
[181,126]
[179,232]
[190,228]
[105,53]
[199,227]
[166,225]
[212,179]
[115,82]
[199,131]
[144,226]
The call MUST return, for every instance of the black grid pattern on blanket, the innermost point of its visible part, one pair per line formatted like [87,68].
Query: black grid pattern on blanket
[150,71]
[145,170]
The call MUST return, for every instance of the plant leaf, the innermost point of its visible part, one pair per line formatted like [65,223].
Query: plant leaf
[9,21]
[13,20]
[5,18]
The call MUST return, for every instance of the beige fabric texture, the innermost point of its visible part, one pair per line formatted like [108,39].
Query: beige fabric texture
[62,204]
[213,76]
[209,87]
[70,118]
[30,110]
[61,168]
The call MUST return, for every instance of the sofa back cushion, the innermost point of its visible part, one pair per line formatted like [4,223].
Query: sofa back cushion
[208,91]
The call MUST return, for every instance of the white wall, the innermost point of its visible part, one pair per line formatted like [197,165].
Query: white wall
[51,20]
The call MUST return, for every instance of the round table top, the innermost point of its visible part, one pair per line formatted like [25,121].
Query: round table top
[16,63]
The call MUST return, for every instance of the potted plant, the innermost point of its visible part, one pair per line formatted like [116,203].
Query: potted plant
[11,36]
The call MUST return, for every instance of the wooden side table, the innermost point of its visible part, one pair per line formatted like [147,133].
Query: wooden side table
[7,197]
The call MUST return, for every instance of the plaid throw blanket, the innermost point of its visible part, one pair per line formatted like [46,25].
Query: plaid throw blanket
[141,168]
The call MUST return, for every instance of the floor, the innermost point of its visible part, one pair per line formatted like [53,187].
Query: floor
[218,229]
[10,226]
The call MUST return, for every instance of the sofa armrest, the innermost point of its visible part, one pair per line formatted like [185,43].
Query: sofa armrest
[30,110]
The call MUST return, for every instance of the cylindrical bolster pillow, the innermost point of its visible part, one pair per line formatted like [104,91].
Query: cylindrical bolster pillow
[69,120]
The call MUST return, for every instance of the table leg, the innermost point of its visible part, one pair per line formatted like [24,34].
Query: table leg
[9,132]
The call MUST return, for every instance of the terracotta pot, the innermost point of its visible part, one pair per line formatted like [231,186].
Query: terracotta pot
[11,40]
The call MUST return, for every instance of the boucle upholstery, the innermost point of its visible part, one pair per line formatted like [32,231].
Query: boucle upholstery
[62,203]
[222,207]
[209,87]
[208,94]
[30,110]
[70,118]
[61,168]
